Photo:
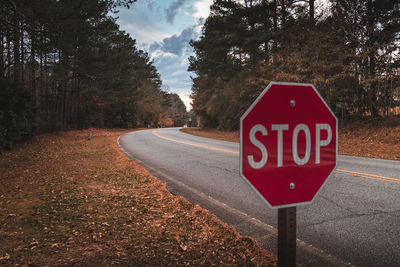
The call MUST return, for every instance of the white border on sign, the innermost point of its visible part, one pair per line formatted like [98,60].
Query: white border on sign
[241,143]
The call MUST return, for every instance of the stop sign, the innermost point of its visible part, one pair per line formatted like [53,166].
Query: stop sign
[288,144]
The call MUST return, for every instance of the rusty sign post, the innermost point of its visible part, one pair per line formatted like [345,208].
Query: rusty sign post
[287,237]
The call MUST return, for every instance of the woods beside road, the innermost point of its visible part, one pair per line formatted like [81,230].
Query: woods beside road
[348,49]
[65,200]
[68,65]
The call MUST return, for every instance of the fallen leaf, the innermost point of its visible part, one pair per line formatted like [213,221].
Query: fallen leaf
[5,257]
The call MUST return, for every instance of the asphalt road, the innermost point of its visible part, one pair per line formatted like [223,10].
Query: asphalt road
[355,219]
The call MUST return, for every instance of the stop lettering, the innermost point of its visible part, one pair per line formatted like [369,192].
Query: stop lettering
[280,128]
[288,144]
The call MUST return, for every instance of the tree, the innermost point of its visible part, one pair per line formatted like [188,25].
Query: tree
[16,115]
[371,31]
[77,67]
[176,110]
[350,54]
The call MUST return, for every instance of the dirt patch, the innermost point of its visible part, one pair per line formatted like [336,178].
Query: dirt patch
[367,138]
[65,200]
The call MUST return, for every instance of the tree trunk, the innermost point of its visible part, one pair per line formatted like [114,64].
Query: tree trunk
[41,72]
[275,16]
[311,3]
[22,61]
[372,104]
[64,83]
[275,29]
[1,53]
[8,57]
[283,12]
[46,84]
[34,90]
[371,52]
[59,92]
[16,50]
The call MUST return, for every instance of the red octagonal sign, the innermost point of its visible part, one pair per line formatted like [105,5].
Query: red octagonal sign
[288,144]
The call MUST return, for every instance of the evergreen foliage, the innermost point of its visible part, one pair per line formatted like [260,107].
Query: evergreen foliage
[349,51]
[70,64]
[16,115]
[176,110]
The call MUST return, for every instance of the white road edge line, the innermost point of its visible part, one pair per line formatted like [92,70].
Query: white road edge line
[307,247]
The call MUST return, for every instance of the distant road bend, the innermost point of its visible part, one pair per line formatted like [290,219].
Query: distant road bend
[354,221]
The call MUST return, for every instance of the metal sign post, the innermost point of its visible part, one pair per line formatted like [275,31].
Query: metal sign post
[287,237]
[288,149]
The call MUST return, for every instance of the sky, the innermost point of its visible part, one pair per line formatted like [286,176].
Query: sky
[163,28]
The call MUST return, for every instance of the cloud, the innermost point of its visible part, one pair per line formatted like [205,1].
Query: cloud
[172,10]
[173,72]
[170,56]
[141,32]
[202,9]
[185,97]
[139,25]
[170,66]
[150,6]
[167,43]
[175,44]
[164,29]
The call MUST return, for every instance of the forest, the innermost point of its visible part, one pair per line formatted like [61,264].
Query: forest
[349,49]
[67,65]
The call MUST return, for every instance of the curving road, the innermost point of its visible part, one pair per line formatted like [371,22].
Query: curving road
[355,219]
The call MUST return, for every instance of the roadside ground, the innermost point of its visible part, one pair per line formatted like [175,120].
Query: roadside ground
[368,138]
[65,200]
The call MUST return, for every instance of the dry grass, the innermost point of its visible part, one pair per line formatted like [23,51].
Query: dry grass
[65,200]
[372,138]
[368,138]
[213,133]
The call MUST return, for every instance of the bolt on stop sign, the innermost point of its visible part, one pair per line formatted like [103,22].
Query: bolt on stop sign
[288,144]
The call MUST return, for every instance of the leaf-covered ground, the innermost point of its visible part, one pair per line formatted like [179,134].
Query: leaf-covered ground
[368,138]
[65,200]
